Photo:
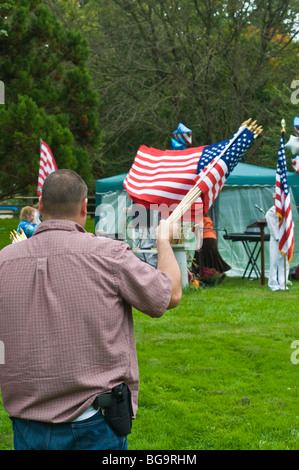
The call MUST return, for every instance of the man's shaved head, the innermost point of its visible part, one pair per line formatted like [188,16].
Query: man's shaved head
[62,194]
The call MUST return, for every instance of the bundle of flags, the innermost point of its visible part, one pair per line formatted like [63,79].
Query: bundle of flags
[166,177]
[16,237]
[225,156]
[46,166]
[283,203]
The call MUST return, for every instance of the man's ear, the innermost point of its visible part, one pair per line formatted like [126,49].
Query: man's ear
[40,205]
[84,207]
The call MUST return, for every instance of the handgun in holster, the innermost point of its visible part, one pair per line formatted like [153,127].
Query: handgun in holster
[117,407]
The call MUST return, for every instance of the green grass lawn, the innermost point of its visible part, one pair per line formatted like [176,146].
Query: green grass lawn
[7,225]
[216,372]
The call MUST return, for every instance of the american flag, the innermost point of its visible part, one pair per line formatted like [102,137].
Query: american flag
[46,166]
[165,177]
[283,204]
[213,179]
[162,176]
[296,126]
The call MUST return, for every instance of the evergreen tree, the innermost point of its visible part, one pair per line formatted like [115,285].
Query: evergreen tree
[48,95]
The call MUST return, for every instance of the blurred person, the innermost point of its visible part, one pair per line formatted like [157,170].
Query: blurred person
[208,256]
[28,222]
[70,379]
[277,266]
[36,214]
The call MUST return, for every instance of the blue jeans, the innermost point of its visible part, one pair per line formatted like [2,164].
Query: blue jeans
[91,434]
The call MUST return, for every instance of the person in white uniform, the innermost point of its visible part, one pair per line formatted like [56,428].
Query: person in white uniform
[277,279]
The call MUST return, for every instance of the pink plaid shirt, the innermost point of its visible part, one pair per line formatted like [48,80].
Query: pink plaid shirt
[66,319]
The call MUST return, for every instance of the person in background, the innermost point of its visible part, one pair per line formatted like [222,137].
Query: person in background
[70,379]
[28,222]
[208,255]
[277,275]
[36,214]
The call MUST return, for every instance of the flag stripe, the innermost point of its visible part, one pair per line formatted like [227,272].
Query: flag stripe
[172,185]
[185,138]
[152,194]
[46,166]
[167,169]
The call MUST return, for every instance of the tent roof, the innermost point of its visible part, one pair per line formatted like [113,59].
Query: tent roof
[243,175]
[113,183]
[252,175]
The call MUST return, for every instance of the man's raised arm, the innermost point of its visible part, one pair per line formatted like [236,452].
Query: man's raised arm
[167,261]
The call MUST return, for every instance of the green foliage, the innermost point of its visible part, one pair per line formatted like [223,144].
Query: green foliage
[3,7]
[48,95]
[22,125]
[210,64]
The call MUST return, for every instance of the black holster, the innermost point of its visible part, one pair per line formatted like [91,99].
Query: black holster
[117,407]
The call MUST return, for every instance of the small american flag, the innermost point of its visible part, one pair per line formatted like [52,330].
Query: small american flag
[166,176]
[46,166]
[295,163]
[283,203]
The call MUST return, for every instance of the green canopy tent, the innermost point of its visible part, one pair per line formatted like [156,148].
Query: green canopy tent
[111,203]
[247,187]
[252,175]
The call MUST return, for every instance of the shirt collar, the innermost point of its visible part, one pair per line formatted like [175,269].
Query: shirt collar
[59,224]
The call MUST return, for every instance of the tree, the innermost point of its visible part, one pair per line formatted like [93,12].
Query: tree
[210,64]
[48,94]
